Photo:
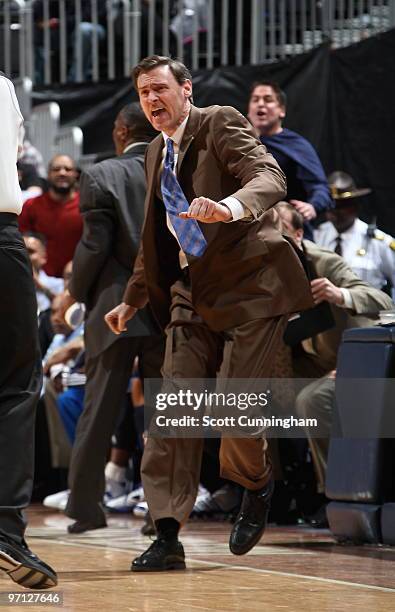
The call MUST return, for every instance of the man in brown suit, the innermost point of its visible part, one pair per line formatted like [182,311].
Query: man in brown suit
[222,283]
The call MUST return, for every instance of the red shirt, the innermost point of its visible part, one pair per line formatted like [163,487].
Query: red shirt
[59,222]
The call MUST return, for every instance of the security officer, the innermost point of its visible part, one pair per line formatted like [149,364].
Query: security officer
[367,250]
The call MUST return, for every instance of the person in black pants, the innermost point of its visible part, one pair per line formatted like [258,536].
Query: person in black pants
[112,207]
[20,365]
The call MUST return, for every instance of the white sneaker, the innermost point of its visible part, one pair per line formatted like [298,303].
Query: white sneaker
[126,502]
[115,488]
[202,492]
[118,504]
[141,509]
[136,496]
[223,501]
[57,500]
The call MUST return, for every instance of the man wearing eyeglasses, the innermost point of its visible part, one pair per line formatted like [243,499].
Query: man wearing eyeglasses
[56,214]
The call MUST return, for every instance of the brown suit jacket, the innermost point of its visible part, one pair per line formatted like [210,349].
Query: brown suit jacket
[249,270]
[367,301]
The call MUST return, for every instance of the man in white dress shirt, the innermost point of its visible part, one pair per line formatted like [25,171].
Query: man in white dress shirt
[367,250]
[20,368]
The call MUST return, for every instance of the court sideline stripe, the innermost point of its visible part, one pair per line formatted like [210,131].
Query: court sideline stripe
[257,570]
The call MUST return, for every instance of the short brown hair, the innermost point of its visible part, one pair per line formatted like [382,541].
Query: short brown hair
[280,94]
[177,68]
[296,217]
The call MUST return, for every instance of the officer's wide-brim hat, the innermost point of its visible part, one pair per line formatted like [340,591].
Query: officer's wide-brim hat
[343,188]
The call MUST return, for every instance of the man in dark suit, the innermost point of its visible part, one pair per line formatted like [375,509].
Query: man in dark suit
[112,206]
[221,279]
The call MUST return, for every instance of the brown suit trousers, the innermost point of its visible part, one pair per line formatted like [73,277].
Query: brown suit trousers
[171,466]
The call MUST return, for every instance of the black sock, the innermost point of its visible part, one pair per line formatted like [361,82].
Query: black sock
[167,528]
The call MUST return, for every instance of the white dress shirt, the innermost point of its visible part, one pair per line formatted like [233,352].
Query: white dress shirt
[372,259]
[12,133]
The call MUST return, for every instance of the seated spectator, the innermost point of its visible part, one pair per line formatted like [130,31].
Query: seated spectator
[127,449]
[32,156]
[30,182]
[71,399]
[56,215]
[54,427]
[367,250]
[46,286]
[122,471]
[191,14]
[144,21]
[82,31]
[67,274]
[45,330]
[45,24]
[66,345]
[82,38]
[353,303]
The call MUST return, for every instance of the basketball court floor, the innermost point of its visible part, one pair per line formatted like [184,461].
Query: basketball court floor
[291,570]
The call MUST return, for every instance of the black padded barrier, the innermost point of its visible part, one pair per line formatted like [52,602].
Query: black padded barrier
[360,471]
[355,523]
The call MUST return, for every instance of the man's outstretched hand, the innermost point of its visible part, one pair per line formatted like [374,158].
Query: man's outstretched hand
[117,318]
[207,211]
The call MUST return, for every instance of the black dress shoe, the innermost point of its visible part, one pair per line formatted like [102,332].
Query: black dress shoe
[82,526]
[161,556]
[251,520]
[25,568]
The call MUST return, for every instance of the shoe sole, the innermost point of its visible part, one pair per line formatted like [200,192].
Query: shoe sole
[122,510]
[26,575]
[178,565]
[80,531]
[254,542]
[246,549]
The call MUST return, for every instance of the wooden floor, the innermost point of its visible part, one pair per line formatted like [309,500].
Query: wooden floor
[293,570]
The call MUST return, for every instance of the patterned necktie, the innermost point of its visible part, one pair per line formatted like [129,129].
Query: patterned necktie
[338,247]
[189,234]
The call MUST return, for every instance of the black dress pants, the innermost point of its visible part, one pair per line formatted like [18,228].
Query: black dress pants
[20,378]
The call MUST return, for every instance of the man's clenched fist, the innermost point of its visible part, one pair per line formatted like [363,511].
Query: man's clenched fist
[207,211]
[117,318]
